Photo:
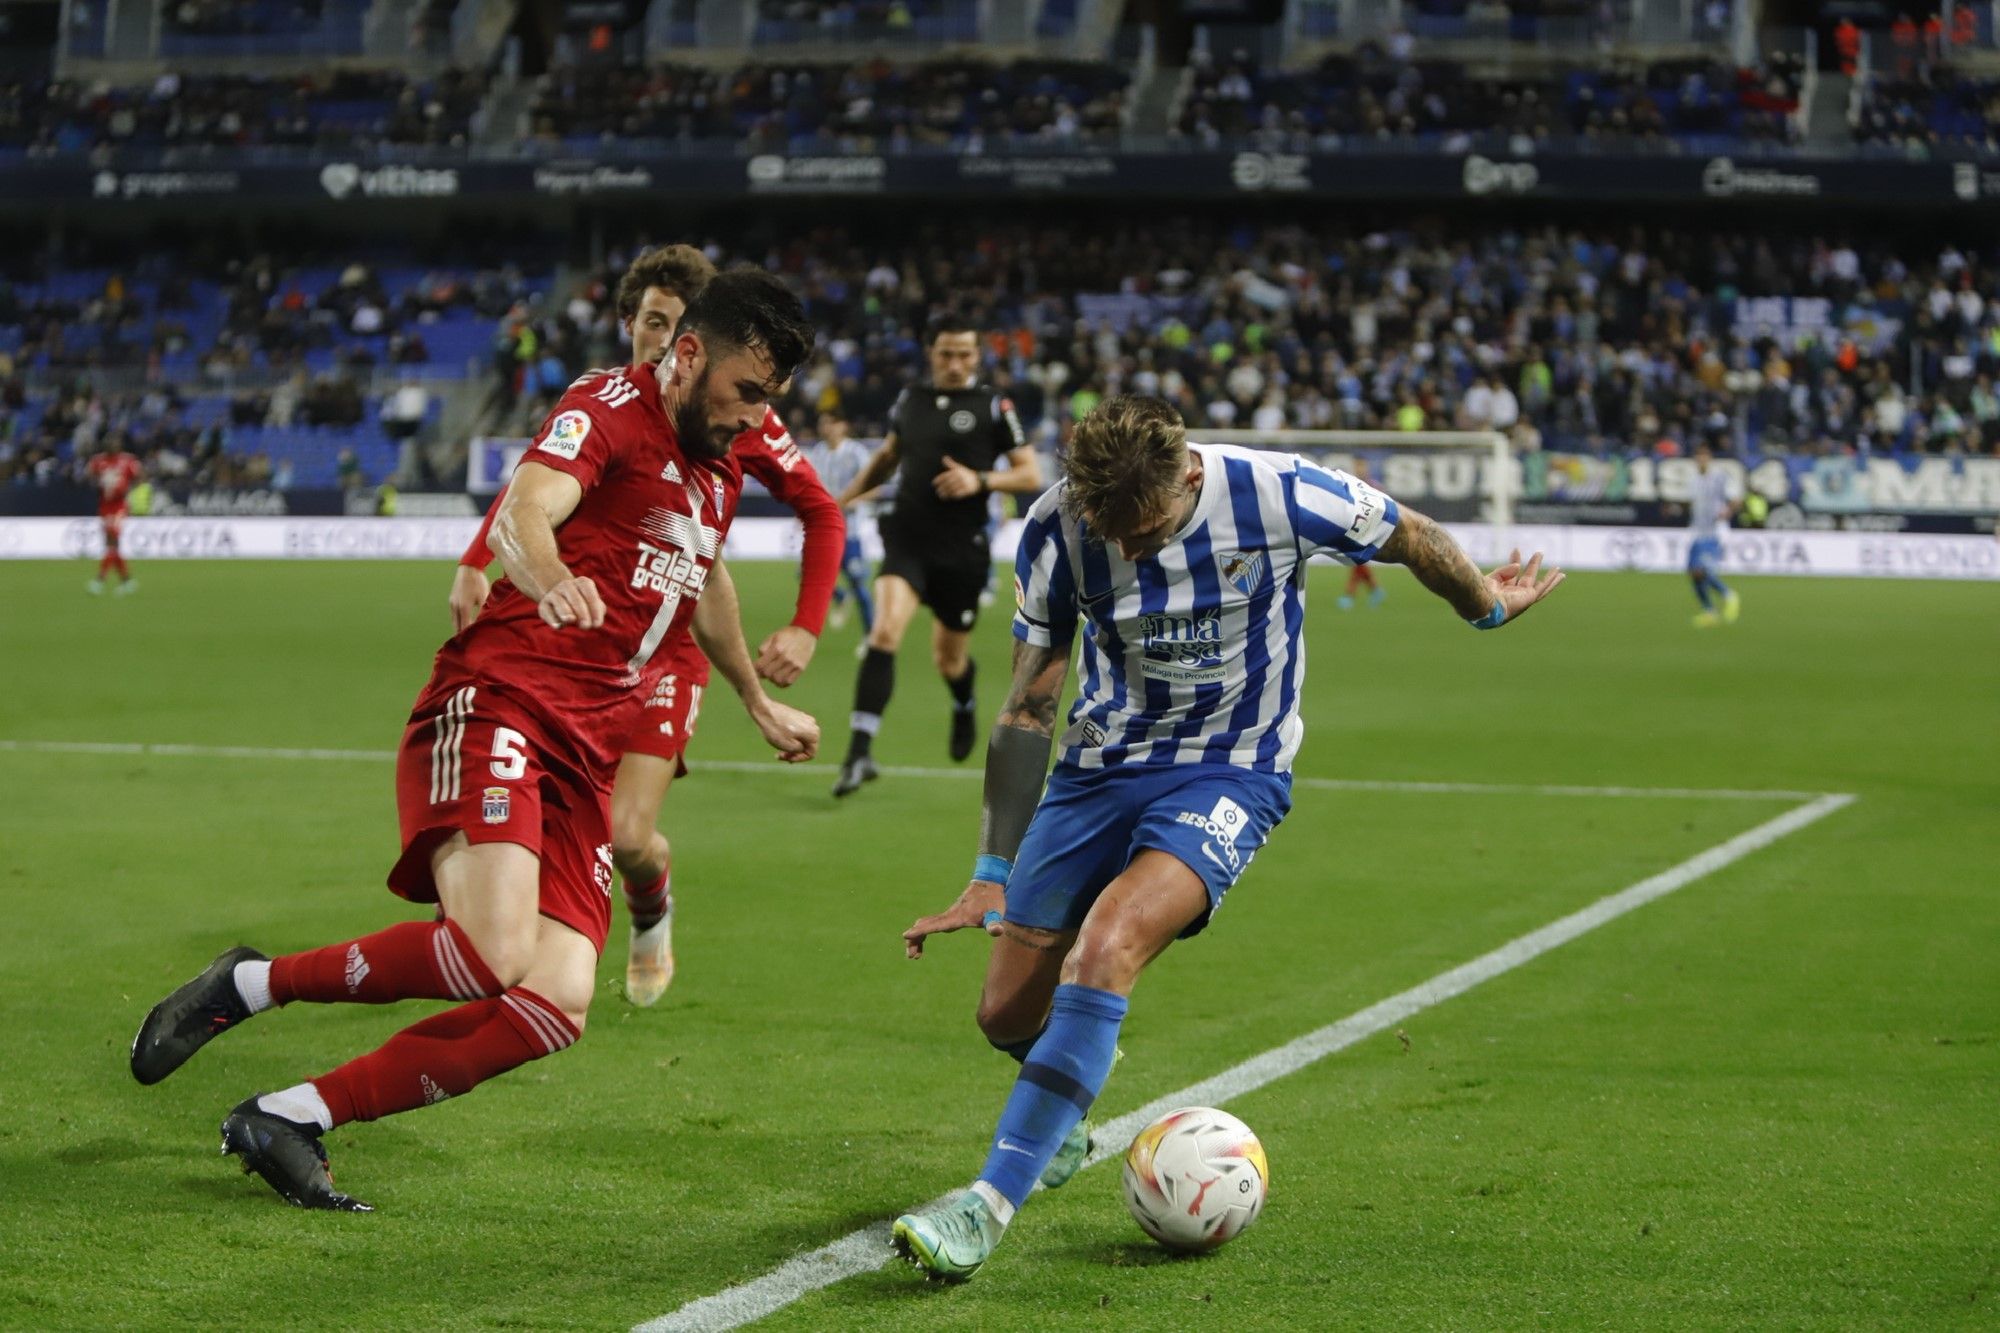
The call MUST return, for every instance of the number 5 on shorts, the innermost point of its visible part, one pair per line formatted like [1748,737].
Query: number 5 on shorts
[510,754]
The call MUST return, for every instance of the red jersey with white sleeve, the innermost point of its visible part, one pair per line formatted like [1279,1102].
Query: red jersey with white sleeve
[649,528]
[114,475]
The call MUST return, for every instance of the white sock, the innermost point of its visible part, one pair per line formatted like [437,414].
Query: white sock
[253,983]
[996,1203]
[301,1105]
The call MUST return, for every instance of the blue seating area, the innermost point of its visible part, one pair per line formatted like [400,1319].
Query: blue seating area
[790,22]
[1057,19]
[823,107]
[56,330]
[1947,107]
[1373,96]
[340,110]
[207,28]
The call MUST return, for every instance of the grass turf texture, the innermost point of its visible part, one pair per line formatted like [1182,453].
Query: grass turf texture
[1765,1101]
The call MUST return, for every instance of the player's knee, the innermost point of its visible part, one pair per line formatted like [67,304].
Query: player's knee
[951,661]
[632,837]
[1109,958]
[1007,1020]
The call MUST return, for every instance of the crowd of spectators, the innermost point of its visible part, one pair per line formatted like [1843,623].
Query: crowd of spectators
[339,111]
[248,317]
[870,105]
[1574,339]
[78,421]
[1933,106]
[1595,340]
[1377,94]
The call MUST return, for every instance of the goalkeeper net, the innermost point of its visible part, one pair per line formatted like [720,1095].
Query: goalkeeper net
[1455,476]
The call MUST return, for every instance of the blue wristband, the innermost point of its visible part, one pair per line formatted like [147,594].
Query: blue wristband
[992,869]
[1493,619]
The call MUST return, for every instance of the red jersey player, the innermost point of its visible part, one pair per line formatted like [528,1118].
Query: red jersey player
[651,298]
[114,472]
[611,532]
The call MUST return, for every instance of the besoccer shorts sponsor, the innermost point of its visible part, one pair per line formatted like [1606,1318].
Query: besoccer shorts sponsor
[1092,822]
[667,721]
[1704,554]
[473,765]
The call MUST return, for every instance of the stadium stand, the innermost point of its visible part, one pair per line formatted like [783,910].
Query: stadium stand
[1373,95]
[336,112]
[863,105]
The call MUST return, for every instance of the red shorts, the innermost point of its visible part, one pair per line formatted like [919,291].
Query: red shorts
[666,723]
[480,768]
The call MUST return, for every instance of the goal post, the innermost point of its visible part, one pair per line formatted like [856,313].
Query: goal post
[1453,475]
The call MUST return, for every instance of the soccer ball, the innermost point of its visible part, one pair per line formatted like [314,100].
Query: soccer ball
[1195,1177]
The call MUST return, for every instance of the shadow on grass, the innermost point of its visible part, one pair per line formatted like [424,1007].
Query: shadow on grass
[109,1149]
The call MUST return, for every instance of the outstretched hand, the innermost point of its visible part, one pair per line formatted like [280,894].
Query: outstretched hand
[973,908]
[1519,586]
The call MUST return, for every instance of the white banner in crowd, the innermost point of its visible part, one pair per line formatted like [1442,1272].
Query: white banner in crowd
[1836,554]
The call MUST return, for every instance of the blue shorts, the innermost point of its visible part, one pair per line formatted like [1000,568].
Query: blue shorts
[1704,554]
[1092,822]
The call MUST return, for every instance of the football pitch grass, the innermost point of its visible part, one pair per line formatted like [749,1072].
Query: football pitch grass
[1769,1099]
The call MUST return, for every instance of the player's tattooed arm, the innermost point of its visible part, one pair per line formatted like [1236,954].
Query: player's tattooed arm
[1017,755]
[1017,764]
[881,466]
[1421,545]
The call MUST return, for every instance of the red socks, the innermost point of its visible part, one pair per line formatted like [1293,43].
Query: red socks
[446,1055]
[650,902]
[113,561]
[417,960]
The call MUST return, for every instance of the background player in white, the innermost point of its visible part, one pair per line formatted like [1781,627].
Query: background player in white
[1187,563]
[839,458]
[1709,510]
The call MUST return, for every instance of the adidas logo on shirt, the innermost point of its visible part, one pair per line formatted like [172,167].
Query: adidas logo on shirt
[671,473]
[357,968]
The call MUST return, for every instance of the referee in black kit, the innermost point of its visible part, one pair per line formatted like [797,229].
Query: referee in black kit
[946,443]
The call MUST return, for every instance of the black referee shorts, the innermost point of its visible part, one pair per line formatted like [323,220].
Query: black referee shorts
[948,573]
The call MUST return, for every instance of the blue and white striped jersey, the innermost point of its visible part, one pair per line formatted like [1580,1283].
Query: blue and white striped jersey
[1708,504]
[1195,655]
[839,467]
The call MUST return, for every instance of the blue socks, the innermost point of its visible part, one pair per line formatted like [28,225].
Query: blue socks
[1701,591]
[1058,1081]
[1018,1050]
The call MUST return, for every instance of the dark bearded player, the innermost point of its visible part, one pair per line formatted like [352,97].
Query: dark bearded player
[612,528]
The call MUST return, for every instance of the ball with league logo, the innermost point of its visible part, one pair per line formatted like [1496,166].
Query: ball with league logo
[1195,1178]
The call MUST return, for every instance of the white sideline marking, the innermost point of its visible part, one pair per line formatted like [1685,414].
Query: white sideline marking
[166,751]
[866,1250]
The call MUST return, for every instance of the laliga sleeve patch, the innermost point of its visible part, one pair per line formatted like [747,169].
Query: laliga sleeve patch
[566,434]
